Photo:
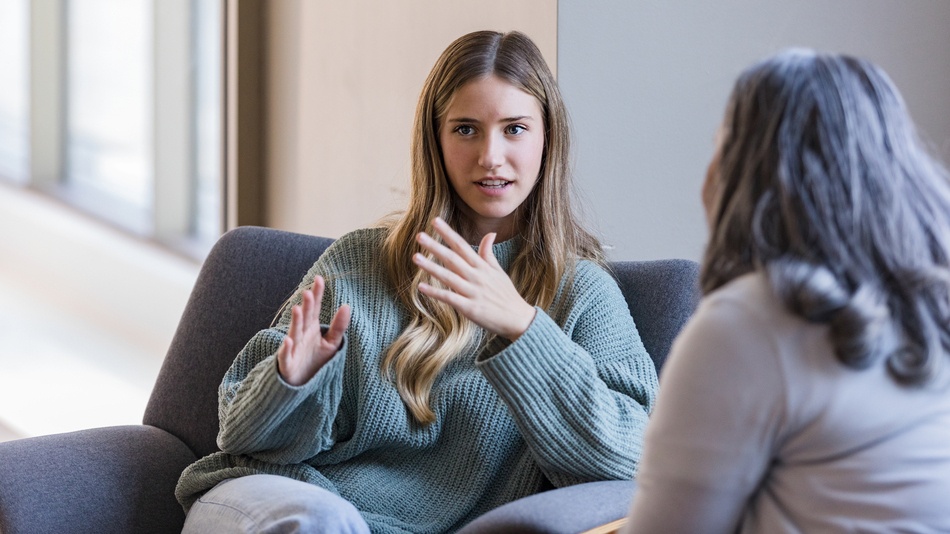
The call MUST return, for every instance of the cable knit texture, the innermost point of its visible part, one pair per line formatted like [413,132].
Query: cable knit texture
[565,403]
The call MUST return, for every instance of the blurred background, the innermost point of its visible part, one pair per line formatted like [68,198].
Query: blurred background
[110,196]
[133,133]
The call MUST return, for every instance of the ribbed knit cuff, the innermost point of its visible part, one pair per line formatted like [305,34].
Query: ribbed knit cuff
[272,400]
[566,414]
[281,392]
[531,368]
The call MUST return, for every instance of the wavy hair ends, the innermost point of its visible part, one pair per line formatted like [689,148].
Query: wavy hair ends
[823,184]
[437,333]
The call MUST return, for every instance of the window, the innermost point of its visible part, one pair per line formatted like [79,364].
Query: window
[13,97]
[109,120]
[209,138]
[119,111]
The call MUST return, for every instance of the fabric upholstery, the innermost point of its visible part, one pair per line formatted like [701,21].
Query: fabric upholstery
[568,510]
[245,279]
[97,481]
[121,479]
[661,295]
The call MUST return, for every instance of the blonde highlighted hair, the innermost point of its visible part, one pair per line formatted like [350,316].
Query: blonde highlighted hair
[552,238]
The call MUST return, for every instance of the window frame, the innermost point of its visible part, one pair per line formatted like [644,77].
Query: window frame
[171,221]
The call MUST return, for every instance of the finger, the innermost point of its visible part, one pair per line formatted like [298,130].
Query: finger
[447,256]
[285,350]
[285,358]
[485,249]
[454,240]
[338,326]
[449,278]
[295,331]
[306,310]
[449,297]
[318,288]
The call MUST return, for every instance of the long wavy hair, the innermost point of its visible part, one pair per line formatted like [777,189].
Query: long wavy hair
[552,238]
[823,184]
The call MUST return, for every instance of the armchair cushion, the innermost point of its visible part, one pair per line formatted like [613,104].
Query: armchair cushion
[569,510]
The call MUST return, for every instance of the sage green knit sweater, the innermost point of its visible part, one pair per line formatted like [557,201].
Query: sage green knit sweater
[565,403]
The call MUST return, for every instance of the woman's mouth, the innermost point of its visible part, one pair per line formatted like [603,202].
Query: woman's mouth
[493,184]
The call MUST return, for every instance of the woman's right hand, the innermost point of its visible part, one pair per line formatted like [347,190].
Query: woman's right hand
[306,349]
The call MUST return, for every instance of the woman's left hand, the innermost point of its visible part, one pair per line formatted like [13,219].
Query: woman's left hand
[476,284]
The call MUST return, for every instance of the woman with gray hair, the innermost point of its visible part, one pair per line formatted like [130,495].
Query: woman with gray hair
[809,392]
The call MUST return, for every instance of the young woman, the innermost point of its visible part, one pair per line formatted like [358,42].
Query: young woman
[469,353]
[809,392]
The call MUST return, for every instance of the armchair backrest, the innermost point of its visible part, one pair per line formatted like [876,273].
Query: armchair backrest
[250,273]
[661,295]
[245,279]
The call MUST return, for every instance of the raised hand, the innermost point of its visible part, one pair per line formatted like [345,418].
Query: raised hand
[476,284]
[306,349]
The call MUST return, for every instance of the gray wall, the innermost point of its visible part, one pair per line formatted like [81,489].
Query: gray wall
[646,83]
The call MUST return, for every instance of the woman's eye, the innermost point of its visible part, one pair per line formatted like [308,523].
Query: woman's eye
[514,129]
[464,129]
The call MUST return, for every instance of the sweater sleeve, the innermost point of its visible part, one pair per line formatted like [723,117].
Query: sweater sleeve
[263,416]
[580,393]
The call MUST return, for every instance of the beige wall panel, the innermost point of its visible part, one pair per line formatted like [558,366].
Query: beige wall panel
[343,80]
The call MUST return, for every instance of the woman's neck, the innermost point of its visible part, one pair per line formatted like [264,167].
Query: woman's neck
[474,231]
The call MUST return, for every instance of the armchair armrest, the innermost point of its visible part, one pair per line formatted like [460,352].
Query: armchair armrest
[570,509]
[113,479]
[610,528]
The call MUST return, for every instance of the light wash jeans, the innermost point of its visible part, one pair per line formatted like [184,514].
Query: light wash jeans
[274,505]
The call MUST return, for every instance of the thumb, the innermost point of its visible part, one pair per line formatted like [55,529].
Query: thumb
[338,326]
[485,248]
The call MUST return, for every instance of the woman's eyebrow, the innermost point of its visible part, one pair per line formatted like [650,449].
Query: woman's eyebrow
[506,119]
[518,118]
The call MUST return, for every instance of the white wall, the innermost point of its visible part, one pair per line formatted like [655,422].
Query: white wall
[646,82]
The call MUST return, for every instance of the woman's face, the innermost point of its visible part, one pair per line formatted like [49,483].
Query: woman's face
[492,141]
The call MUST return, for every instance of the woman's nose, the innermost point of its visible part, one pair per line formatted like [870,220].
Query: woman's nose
[491,154]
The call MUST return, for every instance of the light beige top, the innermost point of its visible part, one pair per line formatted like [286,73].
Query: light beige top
[758,428]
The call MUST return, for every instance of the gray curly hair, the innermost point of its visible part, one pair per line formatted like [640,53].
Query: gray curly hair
[823,184]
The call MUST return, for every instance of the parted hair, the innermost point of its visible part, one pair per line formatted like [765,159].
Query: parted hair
[552,237]
[823,184]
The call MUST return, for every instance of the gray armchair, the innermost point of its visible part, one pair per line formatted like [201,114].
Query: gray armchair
[121,479]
